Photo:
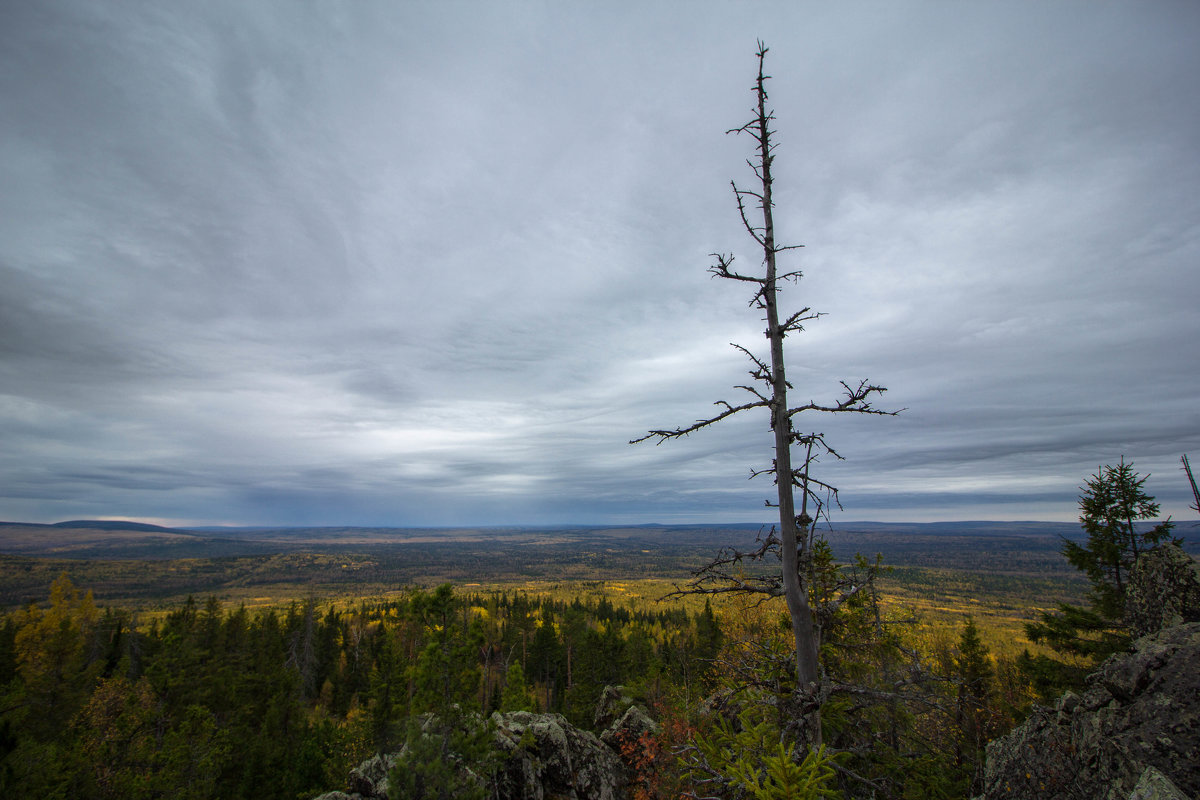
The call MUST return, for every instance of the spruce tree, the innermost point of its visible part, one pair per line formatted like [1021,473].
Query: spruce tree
[1113,502]
[975,676]
[516,696]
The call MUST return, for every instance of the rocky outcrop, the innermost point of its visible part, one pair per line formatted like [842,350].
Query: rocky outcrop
[632,726]
[1164,590]
[1134,731]
[1153,785]
[547,757]
[369,779]
[612,704]
[542,757]
[1139,710]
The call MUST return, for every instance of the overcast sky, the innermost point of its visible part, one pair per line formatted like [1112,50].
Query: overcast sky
[400,263]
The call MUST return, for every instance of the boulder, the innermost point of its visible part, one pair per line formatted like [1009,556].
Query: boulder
[632,726]
[1140,710]
[1164,590]
[1153,785]
[612,704]
[542,757]
[547,757]
[369,779]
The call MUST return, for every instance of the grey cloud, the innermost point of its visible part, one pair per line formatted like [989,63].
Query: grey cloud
[432,264]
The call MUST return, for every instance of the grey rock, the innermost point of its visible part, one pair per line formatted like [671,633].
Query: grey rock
[1153,785]
[544,757]
[547,757]
[632,726]
[369,779]
[1164,590]
[612,704]
[1140,709]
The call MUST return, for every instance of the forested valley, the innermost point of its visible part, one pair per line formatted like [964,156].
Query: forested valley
[236,695]
[209,700]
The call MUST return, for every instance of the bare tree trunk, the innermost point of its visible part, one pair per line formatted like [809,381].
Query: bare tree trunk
[1195,492]
[793,528]
[794,588]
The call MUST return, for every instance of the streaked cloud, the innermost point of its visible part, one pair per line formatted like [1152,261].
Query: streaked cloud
[435,264]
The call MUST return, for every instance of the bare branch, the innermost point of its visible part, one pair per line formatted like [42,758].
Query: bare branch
[766,400]
[750,229]
[856,400]
[721,269]
[725,573]
[761,371]
[754,473]
[799,478]
[811,440]
[792,323]
[729,411]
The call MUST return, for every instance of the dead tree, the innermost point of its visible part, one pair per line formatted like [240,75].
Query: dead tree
[769,390]
[1195,492]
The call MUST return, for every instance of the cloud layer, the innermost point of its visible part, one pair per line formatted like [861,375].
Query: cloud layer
[414,264]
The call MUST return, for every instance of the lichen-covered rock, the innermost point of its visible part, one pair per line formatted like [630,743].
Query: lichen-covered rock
[543,757]
[1164,590]
[546,757]
[612,704]
[632,726]
[1153,785]
[1140,709]
[369,779]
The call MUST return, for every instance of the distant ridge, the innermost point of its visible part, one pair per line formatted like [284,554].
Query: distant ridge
[1030,546]
[113,525]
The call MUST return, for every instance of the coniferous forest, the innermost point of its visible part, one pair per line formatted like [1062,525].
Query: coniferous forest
[221,702]
[209,701]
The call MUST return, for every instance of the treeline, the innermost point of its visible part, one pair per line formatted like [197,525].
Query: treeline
[216,702]
[210,702]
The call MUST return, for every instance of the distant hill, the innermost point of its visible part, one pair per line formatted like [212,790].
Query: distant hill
[118,561]
[978,545]
[113,525]
[109,539]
